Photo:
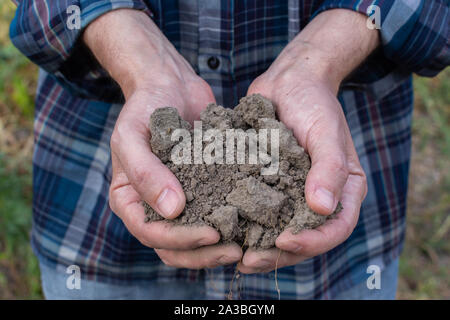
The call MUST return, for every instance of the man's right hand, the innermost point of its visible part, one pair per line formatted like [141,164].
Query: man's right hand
[152,74]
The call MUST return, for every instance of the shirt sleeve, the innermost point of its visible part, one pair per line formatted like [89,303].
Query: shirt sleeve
[48,33]
[414,35]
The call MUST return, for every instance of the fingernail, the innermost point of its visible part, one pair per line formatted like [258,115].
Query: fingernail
[325,198]
[167,203]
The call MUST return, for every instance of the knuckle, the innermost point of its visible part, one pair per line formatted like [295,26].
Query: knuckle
[112,200]
[365,185]
[142,177]
[257,85]
[114,141]
[118,134]
[143,240]
[165,257]
[200,85]
[362,181]
[167,262]
[339,166]
[347,226]
[287,79]
[347,229]
[358,171]
[143,237]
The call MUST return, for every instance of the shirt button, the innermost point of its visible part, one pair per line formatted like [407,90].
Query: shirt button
[213,62]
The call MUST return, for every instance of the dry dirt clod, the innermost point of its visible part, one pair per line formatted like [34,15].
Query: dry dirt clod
[226,220]
[257,201]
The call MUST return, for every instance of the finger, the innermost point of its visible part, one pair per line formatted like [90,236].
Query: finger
[256,261]
[258,86]
[326,145]
[204,257]
[354,167]
[164,234]
[126,203]
[334,231]
[199,101]
[151,179]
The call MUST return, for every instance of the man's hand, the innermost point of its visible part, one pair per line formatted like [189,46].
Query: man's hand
[152,74]
[303,83]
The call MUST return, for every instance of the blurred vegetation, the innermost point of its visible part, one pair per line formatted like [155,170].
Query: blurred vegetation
[19,270]
[424,265]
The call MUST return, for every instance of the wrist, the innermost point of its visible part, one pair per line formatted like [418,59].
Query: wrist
[330,47]
[344,39]
[134,51]
[305,61]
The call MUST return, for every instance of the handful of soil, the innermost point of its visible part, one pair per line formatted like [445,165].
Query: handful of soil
[244,205]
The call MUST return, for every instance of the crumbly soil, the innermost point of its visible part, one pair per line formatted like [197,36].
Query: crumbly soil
[235,199]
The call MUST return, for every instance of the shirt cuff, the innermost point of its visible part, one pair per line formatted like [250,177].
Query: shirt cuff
[48,33]
[414,36]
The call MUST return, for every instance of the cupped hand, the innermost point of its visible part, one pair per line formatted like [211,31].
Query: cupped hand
[307,104]
[152,74]
[139,175]
[303,83]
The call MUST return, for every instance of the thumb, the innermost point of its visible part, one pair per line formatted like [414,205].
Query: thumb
[326,145]
[151,179]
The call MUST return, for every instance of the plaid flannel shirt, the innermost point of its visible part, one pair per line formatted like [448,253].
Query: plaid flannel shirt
[77,104]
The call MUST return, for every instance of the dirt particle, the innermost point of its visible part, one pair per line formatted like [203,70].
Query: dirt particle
[257,201]
[189,196]
[226,220]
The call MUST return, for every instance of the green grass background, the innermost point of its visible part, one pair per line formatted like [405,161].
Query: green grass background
[424,264]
